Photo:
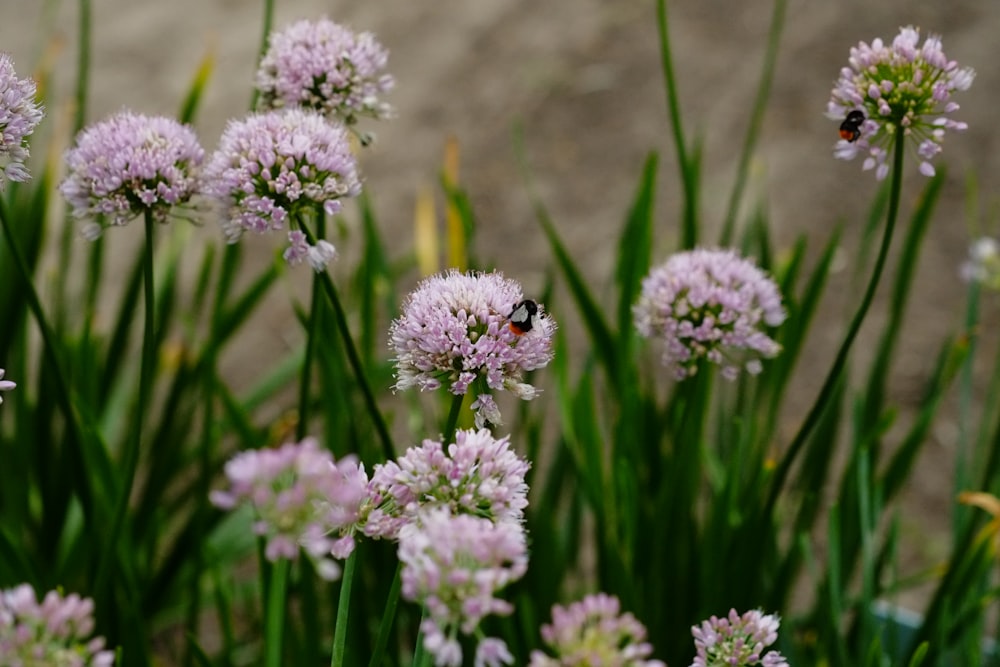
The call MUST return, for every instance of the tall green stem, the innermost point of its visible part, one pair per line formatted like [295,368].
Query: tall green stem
[354,358]
[130,463]
[265,32]
[840,361]
[343,611]
[684,165]
[274,621]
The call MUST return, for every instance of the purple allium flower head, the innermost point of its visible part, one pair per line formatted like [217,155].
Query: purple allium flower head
[300,498]
[5,385]
[736,641]
[903,87]
[128,164]
[454,565]
[55,631]
[276,165]
[20,114]
[454,330]
[593,631]
[478,475]
[983,263]
[710,304]
[324,66]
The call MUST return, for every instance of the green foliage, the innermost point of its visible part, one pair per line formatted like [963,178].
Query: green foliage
[684,499]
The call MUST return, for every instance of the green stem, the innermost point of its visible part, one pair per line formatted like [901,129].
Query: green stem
[840,362]
[451,424]
[354,358]
[421,658]
[265,32]
[756,119]
[82,65]
[388,616]
[343,611]
[130,462]
[690,236]
[274,623]
[307,364]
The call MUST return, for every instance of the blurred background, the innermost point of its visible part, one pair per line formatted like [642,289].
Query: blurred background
[583,79]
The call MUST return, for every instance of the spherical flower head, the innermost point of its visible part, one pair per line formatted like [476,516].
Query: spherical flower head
[478,475]
[983,264]
[55,631]
[904,87]
[593,631]
[324,66]
[130,164]
[711,305]
[273,166]
[5,385]
[736,641]
[454,565]
[301,498]
[455,329]
[20,114]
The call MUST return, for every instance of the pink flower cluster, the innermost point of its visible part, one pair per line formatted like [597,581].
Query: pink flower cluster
[301,498]
[904,90]
[454,331]
[20,114]
[273,166]
[478,475]
[129,164]
[454,565]
[55,631]
[593,631]
[711,305]
[737,641]
[324,66]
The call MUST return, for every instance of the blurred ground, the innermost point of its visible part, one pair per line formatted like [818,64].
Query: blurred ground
[583,77]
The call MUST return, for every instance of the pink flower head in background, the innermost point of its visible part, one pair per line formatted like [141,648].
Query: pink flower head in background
[55,631]
[712,305]
[904,87]
[5,385]
[129,164]
[983,263]
[455,330]
[593,631]
[20,114]
[271,167]
[737,641]
[454,565]
[300,498]
[325,66]
[478,475]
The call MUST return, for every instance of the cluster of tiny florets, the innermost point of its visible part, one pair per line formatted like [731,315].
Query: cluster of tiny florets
[325,66]
[20,114]
[454,331]
[593,631]
[54,631]
[301,498]
[902,88]
[271,167]
[711,305]
[454,565]
[737,641]
[478,475]
[129,164]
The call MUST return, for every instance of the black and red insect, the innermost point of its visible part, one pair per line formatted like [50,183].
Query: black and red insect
[522,317]
[850,129]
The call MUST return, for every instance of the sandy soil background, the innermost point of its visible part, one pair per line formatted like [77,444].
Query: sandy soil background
[583,77]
